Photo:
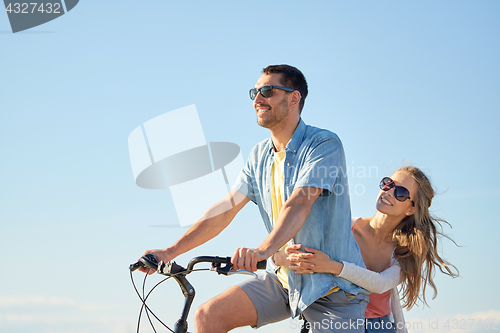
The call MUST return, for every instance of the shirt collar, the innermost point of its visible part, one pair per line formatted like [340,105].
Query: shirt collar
[297,138]
[295,141]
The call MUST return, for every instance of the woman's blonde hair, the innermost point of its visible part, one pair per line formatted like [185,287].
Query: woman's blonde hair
[417,236]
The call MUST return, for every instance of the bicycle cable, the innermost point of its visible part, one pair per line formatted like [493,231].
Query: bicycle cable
[145,297]
[142,306]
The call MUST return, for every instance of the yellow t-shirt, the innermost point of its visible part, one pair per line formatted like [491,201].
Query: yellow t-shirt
[277,201]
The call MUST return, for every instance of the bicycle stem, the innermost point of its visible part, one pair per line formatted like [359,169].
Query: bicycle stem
[188,291]
[178,273]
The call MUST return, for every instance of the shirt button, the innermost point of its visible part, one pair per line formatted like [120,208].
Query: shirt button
[267,190]
[288,164]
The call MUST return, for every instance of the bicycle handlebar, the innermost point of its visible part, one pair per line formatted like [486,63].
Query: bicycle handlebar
[172,267]
[221,265]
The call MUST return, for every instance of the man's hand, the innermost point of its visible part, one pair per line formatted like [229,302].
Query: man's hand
[160,255]
[244,258]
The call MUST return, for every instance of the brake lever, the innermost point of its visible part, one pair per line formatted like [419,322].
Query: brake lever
[242,271]
[226,270]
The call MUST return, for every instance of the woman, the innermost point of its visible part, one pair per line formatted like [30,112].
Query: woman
[399,241]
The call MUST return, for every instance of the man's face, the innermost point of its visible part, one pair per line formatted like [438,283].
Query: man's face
[271,110]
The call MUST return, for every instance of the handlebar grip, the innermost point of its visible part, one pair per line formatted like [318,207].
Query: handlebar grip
[262,264]
[148,260]
[135,266]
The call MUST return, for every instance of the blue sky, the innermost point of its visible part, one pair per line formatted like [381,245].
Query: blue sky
[397,81]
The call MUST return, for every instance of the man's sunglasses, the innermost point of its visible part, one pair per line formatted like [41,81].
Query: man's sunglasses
[266,91]
[400,193]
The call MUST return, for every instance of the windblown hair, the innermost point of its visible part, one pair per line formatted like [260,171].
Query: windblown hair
[417,237]
[291,78]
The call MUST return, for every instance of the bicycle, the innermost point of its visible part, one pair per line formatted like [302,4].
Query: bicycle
[221,265]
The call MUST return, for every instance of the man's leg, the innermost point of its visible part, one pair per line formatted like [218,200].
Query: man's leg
[254,302]
[233,308]
[337,313]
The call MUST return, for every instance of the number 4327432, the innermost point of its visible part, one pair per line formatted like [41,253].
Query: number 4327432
[31,8]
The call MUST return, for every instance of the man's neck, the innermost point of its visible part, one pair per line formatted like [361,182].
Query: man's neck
[281,136]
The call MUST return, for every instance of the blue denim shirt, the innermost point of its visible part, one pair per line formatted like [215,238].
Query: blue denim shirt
[314,158]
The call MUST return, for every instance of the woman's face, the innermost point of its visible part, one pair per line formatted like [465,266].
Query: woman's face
[389,205]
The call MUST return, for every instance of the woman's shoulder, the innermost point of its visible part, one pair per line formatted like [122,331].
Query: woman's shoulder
[354,220]
[358,221]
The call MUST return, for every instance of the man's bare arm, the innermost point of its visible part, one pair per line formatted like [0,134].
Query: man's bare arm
[215,219]
[290,220]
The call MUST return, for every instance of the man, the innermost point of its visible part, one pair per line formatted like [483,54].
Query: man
[298,180]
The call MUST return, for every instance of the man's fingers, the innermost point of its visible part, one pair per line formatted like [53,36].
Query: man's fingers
[251,260]
[251,263]
[247,259]
[147,270]
[236,259]
[242,259]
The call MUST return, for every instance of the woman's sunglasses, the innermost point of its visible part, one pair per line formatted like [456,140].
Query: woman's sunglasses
[400,193]
[266,91]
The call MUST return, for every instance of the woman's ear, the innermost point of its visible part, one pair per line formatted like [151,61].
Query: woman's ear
[411,211]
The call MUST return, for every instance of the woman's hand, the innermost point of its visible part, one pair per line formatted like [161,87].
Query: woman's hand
[279,259]
[312,261]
